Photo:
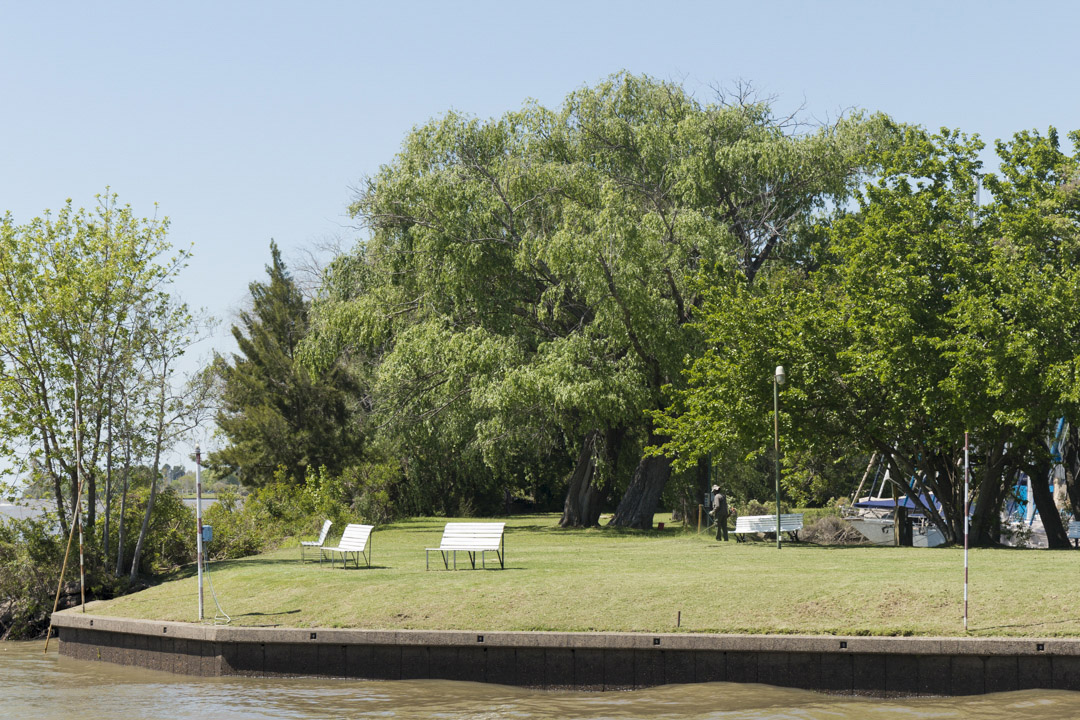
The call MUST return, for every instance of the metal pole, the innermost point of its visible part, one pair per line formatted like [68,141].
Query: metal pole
[776,437]
[198,523]
[967,501]
[78,511]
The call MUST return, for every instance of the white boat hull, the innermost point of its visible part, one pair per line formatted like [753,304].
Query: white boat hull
[882,531]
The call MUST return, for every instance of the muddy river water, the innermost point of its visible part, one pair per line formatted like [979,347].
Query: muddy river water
[34,685]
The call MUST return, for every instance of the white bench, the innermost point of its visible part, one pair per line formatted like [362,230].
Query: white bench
[790,523]
[470,538]
[307,545]
[1074,532]
[354,541]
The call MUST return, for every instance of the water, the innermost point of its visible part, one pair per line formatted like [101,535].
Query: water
[31,508]
[23,508]
[38,687]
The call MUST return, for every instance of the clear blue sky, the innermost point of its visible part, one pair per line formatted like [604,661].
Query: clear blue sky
[247,121]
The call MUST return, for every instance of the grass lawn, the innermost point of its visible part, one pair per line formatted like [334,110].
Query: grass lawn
[608,580]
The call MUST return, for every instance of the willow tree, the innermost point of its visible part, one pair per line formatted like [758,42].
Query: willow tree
[527,279]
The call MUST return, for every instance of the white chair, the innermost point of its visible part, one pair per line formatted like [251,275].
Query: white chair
[354,541]
[308,545]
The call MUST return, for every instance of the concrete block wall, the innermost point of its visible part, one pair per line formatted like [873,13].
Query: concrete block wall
[587,661]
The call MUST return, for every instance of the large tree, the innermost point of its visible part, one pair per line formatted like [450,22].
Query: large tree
[526,282]
[275,413]
[926,315]
[76,288]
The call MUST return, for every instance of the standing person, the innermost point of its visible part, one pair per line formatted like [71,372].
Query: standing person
[720,512]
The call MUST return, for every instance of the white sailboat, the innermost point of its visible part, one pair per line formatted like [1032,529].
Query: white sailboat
[875,518]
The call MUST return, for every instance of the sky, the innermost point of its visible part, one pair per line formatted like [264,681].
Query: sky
[247,121]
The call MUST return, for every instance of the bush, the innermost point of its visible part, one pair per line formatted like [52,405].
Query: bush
[31,552]
[170,537]
[831,530]
[281,510]
[755,507]
[236,533]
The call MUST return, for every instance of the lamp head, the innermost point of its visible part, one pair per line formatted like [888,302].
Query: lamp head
[780,375]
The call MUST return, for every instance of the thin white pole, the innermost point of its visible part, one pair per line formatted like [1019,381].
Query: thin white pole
[198,523]
[79,483]
[776,437]
[967,501]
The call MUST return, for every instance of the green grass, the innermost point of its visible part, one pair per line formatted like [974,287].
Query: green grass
[609,580]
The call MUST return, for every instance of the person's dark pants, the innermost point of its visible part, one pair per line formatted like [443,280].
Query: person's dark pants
[721,528]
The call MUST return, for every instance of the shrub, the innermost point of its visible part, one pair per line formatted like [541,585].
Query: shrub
[31,552]
[236,533]
[170,537]
[831,530]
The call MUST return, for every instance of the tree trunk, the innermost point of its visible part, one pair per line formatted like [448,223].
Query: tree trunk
[158,442]
[583,498]
[638,504]
[135,556]
[58,494]
[123,506]
[1071,459]
[985,517]
[1056,537]
[108,492]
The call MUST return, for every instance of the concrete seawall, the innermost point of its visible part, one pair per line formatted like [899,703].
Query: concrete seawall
[586,661]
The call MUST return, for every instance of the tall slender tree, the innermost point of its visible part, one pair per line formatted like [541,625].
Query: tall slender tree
[275,413]
[72,287]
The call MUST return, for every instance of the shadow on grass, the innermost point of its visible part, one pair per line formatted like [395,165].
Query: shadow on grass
[258,560]
[466,568]
[1048,623]
[600,531]
[264,615]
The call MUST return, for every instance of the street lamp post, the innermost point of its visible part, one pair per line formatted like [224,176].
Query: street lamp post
[199,526]
[778,380]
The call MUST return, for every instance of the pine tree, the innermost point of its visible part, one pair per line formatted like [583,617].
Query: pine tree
[274,412]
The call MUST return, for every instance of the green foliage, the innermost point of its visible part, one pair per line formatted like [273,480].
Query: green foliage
[280,510]
[82,302]
[925,316]
[275,413]
[236,533]
[30,556]
[528,279]
[170,536]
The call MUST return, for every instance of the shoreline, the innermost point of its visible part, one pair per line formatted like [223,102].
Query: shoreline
[857,665]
